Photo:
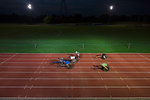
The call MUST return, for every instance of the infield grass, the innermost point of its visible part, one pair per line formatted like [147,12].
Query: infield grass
[20,38]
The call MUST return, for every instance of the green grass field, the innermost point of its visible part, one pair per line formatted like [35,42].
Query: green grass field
[15,38]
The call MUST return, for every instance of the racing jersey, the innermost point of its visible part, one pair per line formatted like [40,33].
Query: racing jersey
[67,62]
[104,64]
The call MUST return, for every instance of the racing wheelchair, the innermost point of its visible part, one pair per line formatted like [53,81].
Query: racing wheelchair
[105,69]
[63,63]
[103,56]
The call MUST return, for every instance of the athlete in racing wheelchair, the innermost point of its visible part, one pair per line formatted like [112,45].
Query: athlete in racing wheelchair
[77,55]
[73,59]
[103,66]
[102,56]
[63,63]
[69,61]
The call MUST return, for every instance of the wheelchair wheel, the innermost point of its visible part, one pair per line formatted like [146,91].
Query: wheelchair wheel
[69,67]
[104,57]
[58,66]
[105,69]
[56,62]
[61,65]
[67,59]
[74,61]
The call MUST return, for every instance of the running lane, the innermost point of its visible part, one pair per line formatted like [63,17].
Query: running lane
[34,75]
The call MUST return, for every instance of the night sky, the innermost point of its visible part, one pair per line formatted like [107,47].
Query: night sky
[85,7]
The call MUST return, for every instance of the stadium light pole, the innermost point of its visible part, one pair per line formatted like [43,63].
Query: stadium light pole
[111,8]
[30,8]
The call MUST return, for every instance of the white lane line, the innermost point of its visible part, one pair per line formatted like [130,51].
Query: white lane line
[78,62]
[86,57]
[56,58]
[72,53]
[136,67]
[30,59]
[144,57]
[119,67]
[4,72]
[78,87]
[5,61]
[115,62]
[76,67]
[99,74]
[109,56]
[81,60]
[84,54]
[75,98]
[76,79]
[130,59]
[37,69]
[55,67]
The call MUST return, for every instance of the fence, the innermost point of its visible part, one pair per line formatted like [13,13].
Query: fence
[68,48]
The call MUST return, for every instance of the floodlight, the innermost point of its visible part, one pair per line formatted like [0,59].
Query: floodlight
[111,7]
[29,6]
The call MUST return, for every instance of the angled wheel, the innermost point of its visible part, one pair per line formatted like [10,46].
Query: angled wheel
[104,57]
[74,61]
[106,69]
[56,62]
[70,66]
[58,66]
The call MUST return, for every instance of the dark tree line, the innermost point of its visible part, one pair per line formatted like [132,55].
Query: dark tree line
[14,18]
[78,18]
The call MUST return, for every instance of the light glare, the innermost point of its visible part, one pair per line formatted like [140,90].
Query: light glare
[29,6]
[111,7]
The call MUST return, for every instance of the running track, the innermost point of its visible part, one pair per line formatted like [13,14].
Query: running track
[34,76]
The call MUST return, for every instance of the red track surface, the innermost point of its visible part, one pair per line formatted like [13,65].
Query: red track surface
[34,75]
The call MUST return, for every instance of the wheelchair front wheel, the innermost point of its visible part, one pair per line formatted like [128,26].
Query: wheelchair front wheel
[106,69]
